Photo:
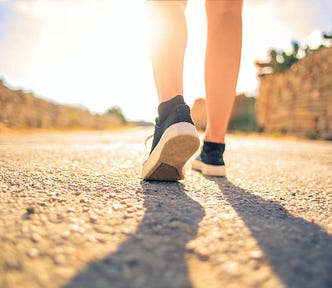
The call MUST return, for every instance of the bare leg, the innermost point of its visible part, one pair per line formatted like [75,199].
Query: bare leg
[167,39]
[223,53]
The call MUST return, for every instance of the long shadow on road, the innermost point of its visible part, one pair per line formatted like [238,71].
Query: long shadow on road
[300,252]
[155,255]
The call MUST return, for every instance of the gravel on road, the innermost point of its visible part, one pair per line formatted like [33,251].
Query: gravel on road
[74,212]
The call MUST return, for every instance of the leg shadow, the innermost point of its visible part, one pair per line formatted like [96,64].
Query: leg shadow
[155,255]
[300,252]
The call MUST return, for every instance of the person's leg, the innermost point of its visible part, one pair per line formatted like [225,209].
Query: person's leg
[223,52]
[175,138]
[167,41]
[222,63]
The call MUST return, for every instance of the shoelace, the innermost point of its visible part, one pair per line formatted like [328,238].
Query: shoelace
[150,136]
[147,139]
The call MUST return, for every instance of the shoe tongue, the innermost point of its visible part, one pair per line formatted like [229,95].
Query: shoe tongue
[166,108]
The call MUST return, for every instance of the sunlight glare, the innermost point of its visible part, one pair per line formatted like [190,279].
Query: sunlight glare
[96,48]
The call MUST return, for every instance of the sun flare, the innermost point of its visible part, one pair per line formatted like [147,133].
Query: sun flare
[95,53]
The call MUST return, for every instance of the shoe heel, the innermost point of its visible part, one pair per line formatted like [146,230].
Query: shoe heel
[213,170]
[178,144]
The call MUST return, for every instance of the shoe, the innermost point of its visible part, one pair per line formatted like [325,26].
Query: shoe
[210,161]
[175,141]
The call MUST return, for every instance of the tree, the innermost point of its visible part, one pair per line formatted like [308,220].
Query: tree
[327,36]
[116,110]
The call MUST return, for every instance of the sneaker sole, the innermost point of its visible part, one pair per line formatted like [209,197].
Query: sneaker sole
[209,170]
[178,143]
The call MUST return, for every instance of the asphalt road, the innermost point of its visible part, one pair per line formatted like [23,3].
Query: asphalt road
[75,213]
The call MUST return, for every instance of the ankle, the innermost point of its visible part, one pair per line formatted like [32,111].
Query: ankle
[218,135]
[215,139]
[213,146]
[167,107]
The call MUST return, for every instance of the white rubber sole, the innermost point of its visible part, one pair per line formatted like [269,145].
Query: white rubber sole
[209,170]
[176,146]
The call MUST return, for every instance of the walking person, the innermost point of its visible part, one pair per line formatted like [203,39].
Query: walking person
[175,138]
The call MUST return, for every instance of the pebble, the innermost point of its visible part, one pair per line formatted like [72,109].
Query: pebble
[130,210]
[117,206]
[4,186]
[91,238]
[126,231]
[33,253]
[232,268]
[140,213]
[60,259]
[256,254]
[103,229]
[93,218]
[77,228]
[30,210]
[65,234]
[35,237]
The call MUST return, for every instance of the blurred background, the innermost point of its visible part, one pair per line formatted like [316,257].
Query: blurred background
[93,55]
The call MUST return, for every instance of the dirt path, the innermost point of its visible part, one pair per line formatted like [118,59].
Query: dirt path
[74,213]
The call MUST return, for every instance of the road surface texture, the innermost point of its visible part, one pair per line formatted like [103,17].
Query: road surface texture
[75,213]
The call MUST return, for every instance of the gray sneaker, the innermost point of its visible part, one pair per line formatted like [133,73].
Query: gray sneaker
[210,161]
[175,141]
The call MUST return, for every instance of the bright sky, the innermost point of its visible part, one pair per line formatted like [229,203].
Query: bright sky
[94,53]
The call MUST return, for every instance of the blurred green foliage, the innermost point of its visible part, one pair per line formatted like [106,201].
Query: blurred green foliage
[244,114]
[280,61]
[116,110]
